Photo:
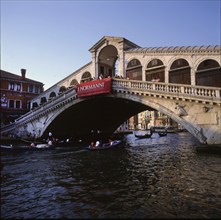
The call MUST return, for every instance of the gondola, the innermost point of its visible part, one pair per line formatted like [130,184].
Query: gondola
[106,146]
[141,136]
[162,134]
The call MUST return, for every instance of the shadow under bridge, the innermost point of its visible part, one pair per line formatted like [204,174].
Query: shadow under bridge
[103,113]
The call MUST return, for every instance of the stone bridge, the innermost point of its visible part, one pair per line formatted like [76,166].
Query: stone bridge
[196,108]
[182,82]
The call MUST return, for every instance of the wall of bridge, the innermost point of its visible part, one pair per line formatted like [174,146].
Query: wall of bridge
[195,108]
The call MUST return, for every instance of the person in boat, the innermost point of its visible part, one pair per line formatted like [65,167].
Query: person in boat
[32,144]
[50,143]
[50,139]
[111,141]
[97,144]
[92,145]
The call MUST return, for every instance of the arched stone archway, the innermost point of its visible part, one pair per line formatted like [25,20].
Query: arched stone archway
[208,73]
[62,89]
[180,72]
[52,95]
[155,71]
[134,70]
[74,82]
[43,100]
[85,77]
[107,60]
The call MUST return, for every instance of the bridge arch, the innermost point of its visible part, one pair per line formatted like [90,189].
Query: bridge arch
[175,114]
[100,117]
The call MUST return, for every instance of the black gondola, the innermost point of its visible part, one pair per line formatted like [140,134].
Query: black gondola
[162,134]
[146,135]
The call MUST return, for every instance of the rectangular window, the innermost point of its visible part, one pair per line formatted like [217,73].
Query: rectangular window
[11,86]
[30,88]
[18,104]
[18,87]
[101,70]
[36,89]
[11,103]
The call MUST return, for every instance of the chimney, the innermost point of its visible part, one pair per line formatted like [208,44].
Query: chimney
[23,72]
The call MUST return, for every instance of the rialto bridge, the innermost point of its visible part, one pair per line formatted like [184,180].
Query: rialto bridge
[183,83]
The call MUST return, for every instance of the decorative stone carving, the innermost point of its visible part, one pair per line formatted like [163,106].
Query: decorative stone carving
[181,110]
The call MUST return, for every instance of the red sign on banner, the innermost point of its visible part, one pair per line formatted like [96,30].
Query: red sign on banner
[94,87]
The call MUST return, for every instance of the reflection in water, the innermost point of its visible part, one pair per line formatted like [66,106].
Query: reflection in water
[148,178]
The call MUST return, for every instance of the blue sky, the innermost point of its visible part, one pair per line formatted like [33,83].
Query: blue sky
[51,39]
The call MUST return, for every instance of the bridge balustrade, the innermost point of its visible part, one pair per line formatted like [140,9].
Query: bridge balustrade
[199,93]
[70,93]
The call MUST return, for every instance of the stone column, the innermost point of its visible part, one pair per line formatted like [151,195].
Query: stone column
[94,65]
[166,75]
[193,76]
[121,64]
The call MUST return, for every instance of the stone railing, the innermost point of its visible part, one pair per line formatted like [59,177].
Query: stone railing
[70,93]
[200,93]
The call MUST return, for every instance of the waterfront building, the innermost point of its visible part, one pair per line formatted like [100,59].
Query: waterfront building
[147,119]
[16,93]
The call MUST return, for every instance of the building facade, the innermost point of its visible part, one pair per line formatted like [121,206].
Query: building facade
[16,94]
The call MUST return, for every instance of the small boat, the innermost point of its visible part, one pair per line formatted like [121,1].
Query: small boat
[26,148]
[162,133]
[43,146]
[145,135]
[105,146]
[5,147]
[31,141]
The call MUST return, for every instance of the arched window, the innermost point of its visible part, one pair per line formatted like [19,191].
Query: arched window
[43,100]
[180,72]
[86,77]
[34,105]
[208,74]
[52,95]
[155,71]
[62,89]
[134,70]
[74,82]
[107,60]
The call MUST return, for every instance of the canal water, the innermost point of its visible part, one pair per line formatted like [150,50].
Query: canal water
[160,177]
